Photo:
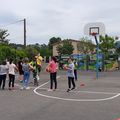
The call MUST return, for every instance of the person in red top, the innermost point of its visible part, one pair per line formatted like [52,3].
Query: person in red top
[53,66]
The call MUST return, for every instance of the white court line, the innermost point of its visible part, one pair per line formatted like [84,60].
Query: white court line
[74,91]
[74,100]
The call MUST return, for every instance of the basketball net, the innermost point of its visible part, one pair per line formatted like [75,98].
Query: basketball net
[93,33]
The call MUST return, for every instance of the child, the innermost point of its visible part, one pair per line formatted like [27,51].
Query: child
[75,69]
[70,74]
[20,62]
[11,72]
[39,63]
[53,66]
[3,74]
[26,68]
[35,71]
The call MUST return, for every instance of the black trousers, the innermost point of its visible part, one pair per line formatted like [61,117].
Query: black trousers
[2,81]
[75,73]
[11,80]
[71,81]
[53,80]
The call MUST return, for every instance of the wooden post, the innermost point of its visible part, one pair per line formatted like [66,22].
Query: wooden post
[24,32]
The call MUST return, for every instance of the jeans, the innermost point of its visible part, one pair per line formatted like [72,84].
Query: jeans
[26,78]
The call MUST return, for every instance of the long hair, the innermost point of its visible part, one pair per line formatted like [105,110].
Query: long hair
[11,60]
[54,59]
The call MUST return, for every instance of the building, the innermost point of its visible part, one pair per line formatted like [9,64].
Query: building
[74,43]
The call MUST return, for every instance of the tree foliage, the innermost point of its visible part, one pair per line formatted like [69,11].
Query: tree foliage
[6,52]
[3,36]
[65,48]
[85,46]
[106,44]
[52,41]
[31,52]
[45,51]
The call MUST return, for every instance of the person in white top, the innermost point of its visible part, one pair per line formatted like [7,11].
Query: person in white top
[3,74]
[11,72]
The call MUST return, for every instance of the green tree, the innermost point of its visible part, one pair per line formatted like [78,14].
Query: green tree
[45,51]
[7,52]
[85,46]
[106,44]
[66,48]
[3,36]
[52,41]
[31,52]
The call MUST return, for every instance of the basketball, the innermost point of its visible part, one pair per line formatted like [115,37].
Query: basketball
[47,69]
[65,67]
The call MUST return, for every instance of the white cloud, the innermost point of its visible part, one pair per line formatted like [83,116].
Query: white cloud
[60,18]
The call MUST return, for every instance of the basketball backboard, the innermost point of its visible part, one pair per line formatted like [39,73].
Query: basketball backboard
[98,28]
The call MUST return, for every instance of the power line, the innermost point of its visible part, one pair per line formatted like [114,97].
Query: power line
[24,22]
[12,23]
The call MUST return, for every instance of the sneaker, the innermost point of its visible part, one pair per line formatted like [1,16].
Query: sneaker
[22,88]
[54,89]
[21,81]
[58,77]
[68,90]
[73,88]
[27,88]
[50,90]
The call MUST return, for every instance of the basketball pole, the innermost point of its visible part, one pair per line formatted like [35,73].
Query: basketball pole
[97,59]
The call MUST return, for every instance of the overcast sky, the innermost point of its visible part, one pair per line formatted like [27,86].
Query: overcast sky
[59,18]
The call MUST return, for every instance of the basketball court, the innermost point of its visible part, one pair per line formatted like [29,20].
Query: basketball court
[93,99]
[96,97]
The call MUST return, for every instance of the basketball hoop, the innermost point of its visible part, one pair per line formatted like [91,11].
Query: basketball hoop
[93,34]
[95,29]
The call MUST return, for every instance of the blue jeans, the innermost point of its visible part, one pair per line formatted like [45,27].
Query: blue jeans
[26,78]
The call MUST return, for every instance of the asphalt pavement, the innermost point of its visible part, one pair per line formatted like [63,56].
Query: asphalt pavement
[93,99]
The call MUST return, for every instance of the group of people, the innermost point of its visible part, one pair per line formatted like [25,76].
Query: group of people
[24,67]
[8,68]
[71,74]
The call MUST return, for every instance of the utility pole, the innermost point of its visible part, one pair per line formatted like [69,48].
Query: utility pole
[24,32]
